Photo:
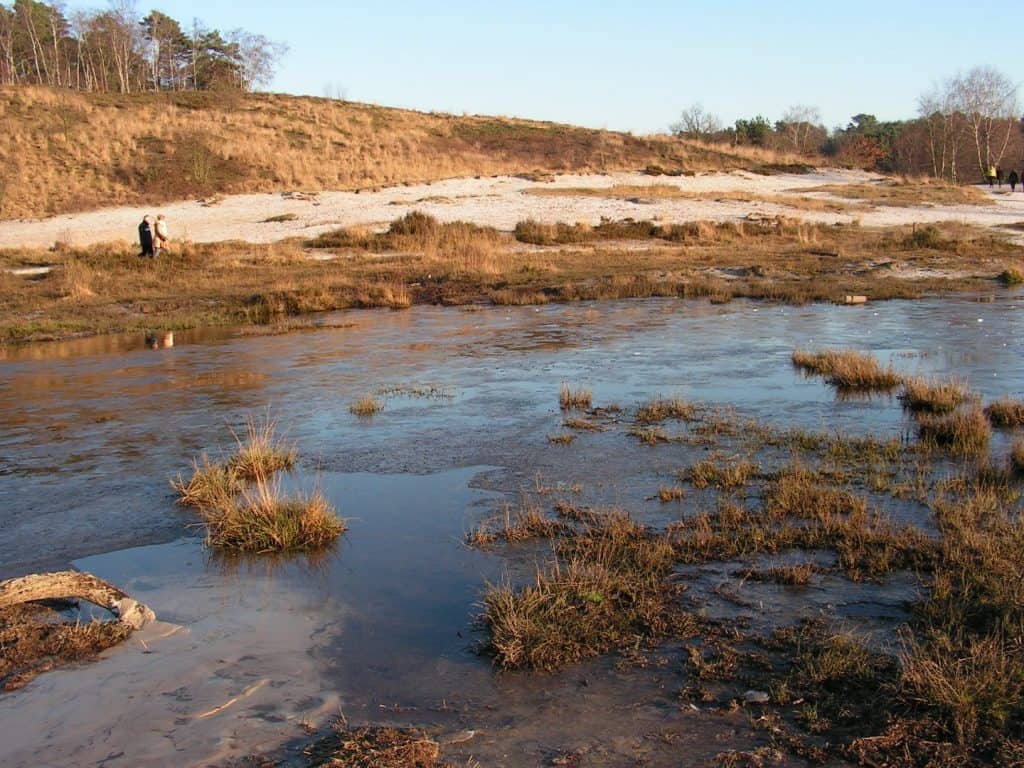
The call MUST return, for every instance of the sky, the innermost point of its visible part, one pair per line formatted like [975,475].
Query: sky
[626,65]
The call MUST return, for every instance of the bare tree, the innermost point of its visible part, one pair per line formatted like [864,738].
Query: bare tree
[695,122]
[944,127]
[987,99]
[798,124]
[258,57]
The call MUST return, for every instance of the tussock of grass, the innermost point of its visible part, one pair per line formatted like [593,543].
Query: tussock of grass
[583,425]
[563,439]
[668,493]
[605,594]
[366,406]
[909,192]
[374,747]
[791,575]
[650,435]
[1005,412]
[526,522]
[934,396]
[260,453]
[212,484]
[573,399]
[660,409]
[961,432]
[1011,277]
[847,369]
[725,475]
[265,520]
[798,492]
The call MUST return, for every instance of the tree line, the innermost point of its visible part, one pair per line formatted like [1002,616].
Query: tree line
[117,50]
[964,126]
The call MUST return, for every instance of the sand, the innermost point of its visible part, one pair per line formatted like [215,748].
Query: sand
[499,202]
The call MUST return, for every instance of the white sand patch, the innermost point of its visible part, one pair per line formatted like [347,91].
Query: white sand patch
[498,202]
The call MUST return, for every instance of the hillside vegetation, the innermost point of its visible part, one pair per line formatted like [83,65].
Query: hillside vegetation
[65,151]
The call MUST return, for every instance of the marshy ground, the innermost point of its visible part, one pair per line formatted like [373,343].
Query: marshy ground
[752,558]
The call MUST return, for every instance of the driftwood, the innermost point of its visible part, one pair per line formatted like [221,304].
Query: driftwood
[75,584]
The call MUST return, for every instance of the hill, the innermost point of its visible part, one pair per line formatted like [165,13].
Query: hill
[67,151]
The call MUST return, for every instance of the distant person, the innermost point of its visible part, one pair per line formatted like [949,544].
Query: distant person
[1013,178]
[146,237]
[162,237]
[991,176]
[999,176]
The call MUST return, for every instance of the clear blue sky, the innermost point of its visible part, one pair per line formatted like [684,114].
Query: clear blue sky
[627,65]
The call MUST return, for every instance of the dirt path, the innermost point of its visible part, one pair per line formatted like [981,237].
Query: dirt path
[500,202]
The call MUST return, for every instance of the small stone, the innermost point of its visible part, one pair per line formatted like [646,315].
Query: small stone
[756,697]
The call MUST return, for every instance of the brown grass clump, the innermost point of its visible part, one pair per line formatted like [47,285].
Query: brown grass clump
[366,406]
[572,399]
[650,435]
[727,475]
[583,425]
[374,747]
[909,192]
[605,594]
[1017,456]
[212,485]
[660,409]
[265,520]
[798,492]
[1005,412]
[847,369]
[34,639]
[670,493]
[528,521]
[565,438]
[260,453]
[922,395]
[961,432]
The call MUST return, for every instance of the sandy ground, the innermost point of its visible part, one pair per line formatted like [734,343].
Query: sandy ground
[498,202]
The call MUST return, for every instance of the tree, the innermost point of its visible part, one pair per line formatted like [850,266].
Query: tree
[696,123]
[988,101]
[798,125]
[258,57]
[754,131]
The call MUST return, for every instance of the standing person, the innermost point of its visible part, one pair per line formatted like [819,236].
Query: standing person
[163,238]
[146,237]
[991,176]
[999,176]
[1013,178]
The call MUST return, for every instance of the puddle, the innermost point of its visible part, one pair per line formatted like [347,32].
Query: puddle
[381,629]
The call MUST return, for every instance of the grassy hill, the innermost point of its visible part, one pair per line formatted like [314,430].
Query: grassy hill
[65,151]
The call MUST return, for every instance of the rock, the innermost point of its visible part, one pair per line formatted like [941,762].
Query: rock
[756,697]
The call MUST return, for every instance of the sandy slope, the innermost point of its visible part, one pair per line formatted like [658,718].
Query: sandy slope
[497,201]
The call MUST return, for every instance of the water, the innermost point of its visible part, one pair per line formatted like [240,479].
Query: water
[382,628]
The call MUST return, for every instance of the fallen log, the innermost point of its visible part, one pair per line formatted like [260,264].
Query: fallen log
[75,584]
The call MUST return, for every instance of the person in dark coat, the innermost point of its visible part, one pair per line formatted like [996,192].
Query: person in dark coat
[146,237]
[1013,178]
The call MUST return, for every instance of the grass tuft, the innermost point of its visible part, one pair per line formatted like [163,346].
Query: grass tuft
[1005,412]
[723,476]
[934,396]
[847,369]
[572,399]
[260,453]
[366,406]
[660,409]
[212,484]
[962,432]
[265,520]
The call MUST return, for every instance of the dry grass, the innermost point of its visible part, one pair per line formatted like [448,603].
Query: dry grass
[573,399]
[211,485]
[1017,456]
[962,432]
[266,520]
[908,192]
[1005,412]
[847,369]
[366,406]
[260,453]
[421,261]
[722,474]
[566,438]
[201,144]
[374,747]
[526,522]
[655,192]
[583,425]
[661,409]
[35,638]
[668,493]
[934,396]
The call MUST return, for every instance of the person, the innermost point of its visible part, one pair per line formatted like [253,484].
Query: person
[991,176]
[146,237]
[999,176]
[162,237]
[1013,178]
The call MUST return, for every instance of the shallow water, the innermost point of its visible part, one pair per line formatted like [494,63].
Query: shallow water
[382,628]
